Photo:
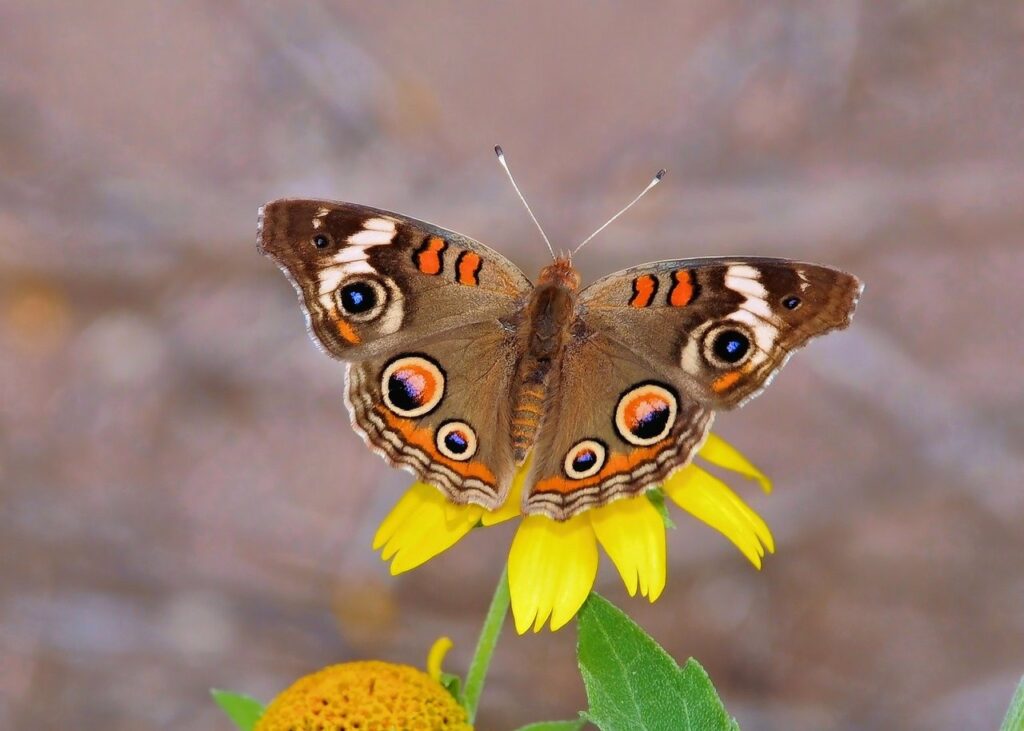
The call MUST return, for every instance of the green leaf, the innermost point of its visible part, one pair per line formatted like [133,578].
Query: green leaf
[241,709]
[1014,720]
[554,726]
[657,498]
[453,684]
[633,684]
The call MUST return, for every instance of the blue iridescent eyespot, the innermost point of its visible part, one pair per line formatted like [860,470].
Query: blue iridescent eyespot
[412,385]
[358,297]
[646,413]
[585,459]
[730,346]
[456,440]
[362,299]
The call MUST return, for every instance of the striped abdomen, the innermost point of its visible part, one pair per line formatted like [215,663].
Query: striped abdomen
[527,409]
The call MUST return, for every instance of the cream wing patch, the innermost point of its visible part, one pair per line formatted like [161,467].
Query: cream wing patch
[375,232]
[753,317]
[754,311]
[352,261]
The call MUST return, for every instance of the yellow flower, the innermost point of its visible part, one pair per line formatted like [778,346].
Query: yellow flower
[552,564]
[370,696]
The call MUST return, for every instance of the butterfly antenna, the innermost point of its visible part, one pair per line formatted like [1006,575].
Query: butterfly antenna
[654,181]
[501,158]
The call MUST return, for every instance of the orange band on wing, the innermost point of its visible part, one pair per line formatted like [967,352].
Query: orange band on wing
[617,464]
[423,440]
[468,267]
[725,381]
[347,331]
[428,257]
[644,289]
[684,288]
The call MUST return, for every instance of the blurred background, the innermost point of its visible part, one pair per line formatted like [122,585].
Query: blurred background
[183,503]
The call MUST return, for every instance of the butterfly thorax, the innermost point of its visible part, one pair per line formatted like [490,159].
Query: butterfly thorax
[544,333]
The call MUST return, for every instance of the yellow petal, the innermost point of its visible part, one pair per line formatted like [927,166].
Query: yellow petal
[632,532]
[422,525]
[435,657]
[551,570]
[513,503]
[404,508]
[719,452]
[709,499]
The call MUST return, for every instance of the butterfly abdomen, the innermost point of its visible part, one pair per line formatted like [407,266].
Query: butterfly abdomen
[526,414]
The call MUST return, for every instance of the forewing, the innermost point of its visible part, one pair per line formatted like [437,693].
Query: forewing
[371,280]
[720,328]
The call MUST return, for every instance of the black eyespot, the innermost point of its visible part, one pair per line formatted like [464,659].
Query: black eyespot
[358,297]
[730,346]
[321,242]
[791,302]
[645,413]
[456,442]
[652,423]
[405,391]
[584,460]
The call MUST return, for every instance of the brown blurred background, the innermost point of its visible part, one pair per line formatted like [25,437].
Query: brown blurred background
[183,503]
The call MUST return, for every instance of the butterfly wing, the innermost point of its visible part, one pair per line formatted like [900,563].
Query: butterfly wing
[370,279]
[720,327]
[439,408]
[612,427]
[655,350]
[426,318]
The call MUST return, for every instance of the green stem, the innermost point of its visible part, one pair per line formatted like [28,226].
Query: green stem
[489,634]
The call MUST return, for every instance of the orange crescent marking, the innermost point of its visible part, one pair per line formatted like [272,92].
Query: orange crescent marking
[617,464]
[644,289]
[428,258]
[428,380]
[682,290]
[640,406]
[347,331]
[469,268]
[725,381]
[423,439]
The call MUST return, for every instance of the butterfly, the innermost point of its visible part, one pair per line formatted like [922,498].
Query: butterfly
[459,368]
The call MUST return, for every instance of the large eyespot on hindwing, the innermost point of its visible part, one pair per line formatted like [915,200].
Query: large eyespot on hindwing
[456,440]
[584,459]
[412,385]
[362,298]
[645,413]
[727,345]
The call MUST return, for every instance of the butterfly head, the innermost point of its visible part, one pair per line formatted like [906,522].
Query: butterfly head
[561,273]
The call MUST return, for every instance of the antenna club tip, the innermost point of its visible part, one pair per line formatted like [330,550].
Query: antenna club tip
[498,151]
[660,174]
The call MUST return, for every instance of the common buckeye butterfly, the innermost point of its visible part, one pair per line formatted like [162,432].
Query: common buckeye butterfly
[459,367]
